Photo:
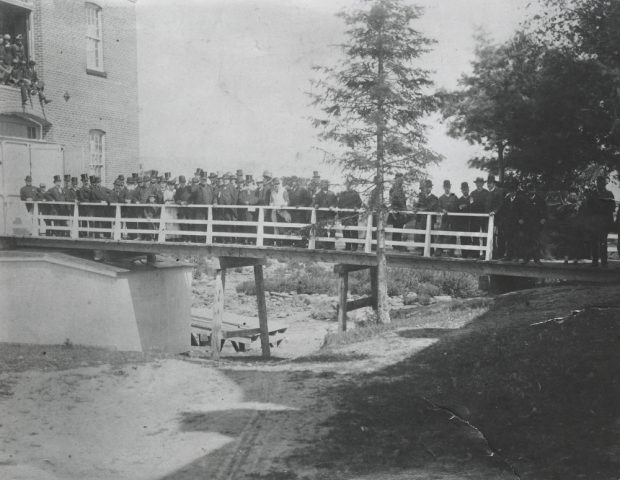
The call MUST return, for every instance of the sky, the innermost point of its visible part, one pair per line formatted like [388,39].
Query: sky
[223,83]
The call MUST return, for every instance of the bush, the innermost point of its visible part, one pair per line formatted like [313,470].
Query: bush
[316,278]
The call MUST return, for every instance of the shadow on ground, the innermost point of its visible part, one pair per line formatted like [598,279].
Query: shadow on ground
[503,397]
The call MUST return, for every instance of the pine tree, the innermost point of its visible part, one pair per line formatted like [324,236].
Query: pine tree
[373,103]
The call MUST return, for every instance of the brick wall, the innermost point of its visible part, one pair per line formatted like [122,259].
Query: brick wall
[109,104]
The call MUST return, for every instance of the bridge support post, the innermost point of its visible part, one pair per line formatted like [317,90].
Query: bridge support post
[343,287]
[262,310]
[218,313]
[374,287]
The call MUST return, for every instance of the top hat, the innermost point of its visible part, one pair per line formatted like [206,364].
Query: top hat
[67,177]
[248,178]
[240,173]
[131,181]
[28,178]
[167,175]
[315,174]
[74,180]
[134,176]
[464,185]
[57,178]
[182,179]
[154,173]
[146,178]
[83,177]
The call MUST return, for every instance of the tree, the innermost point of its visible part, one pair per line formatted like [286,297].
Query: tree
[373,102]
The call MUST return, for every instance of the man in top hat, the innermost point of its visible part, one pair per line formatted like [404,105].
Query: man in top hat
[480,200]
[398,203]
[448,203]
[349,199]
[28,193]
[100,194]
[247,197]
[267,180]
[202,194]
[71,189]
[227,195]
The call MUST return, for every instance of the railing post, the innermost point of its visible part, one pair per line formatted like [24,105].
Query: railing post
[313,229]
[117,223]
[161,237]
[427,237]
[260,228]
[35,219]
[75,225]
[490,234]
[368,243]
[209,239]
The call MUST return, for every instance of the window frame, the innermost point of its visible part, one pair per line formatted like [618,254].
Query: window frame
[97,168]
[94,55]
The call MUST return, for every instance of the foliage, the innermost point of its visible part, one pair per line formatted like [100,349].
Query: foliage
[546,102]
[374,100]
[319,279]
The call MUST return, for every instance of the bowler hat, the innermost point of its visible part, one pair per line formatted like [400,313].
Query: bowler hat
[195,180]
[446,183]
[464,185]
[267,173]
[428,183]
[479,180]
[121,177]
[28,178]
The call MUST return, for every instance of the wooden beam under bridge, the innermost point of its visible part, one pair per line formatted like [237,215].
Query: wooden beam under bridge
[344,305]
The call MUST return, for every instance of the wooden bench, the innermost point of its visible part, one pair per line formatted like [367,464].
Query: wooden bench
[240,333]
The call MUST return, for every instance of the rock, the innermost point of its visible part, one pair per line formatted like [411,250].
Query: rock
[410,298]
[443,298]
[424,299]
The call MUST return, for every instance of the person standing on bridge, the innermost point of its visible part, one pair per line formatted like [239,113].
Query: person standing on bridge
[28,193]
[448,203]
[480,199]
[325,199]
[532,211]
[349,199]
[57,194]
[427,202]
[494,204]
[182,196]
[600,206]
[463,224]
[398,204]
[510,214]
[202,194]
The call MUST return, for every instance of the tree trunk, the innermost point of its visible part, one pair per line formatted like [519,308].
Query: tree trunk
[383,307]
[501,168]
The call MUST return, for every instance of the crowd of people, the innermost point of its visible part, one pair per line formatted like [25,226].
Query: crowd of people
[522,217]
[17,70]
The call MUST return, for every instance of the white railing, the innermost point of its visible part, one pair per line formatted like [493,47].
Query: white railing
[259,226]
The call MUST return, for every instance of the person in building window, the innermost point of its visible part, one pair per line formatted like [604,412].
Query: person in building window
[6,55]
[325,199]
[16,74]
[349,199]
[28,193]
[37,86]
[19,49]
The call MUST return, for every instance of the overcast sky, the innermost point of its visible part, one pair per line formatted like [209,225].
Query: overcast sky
[222,82]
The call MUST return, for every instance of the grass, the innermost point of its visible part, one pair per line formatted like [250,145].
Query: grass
[448,316]
[319,279]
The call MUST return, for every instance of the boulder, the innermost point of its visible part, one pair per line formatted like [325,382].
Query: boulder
[410,298]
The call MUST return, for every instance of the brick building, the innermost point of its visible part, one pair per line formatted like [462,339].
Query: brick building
[86,53]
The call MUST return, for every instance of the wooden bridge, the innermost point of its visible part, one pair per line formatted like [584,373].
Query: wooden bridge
[247,236]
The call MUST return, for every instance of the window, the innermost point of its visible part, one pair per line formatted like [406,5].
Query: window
[97,153]
[14,126]
[15,21]
[94,38]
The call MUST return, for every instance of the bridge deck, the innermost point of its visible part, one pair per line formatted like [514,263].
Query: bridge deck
[548,269]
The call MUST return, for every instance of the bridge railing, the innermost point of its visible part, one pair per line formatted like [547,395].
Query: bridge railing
[303,227]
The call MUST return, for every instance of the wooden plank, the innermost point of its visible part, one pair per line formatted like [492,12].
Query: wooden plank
[117,223]
[489,249]
[360,303]
[343,287]
[368,243]
[262,310]
[235,262]
[218,314]
[427,238]
[349,268]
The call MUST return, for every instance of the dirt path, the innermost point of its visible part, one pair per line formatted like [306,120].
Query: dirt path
[449,394]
